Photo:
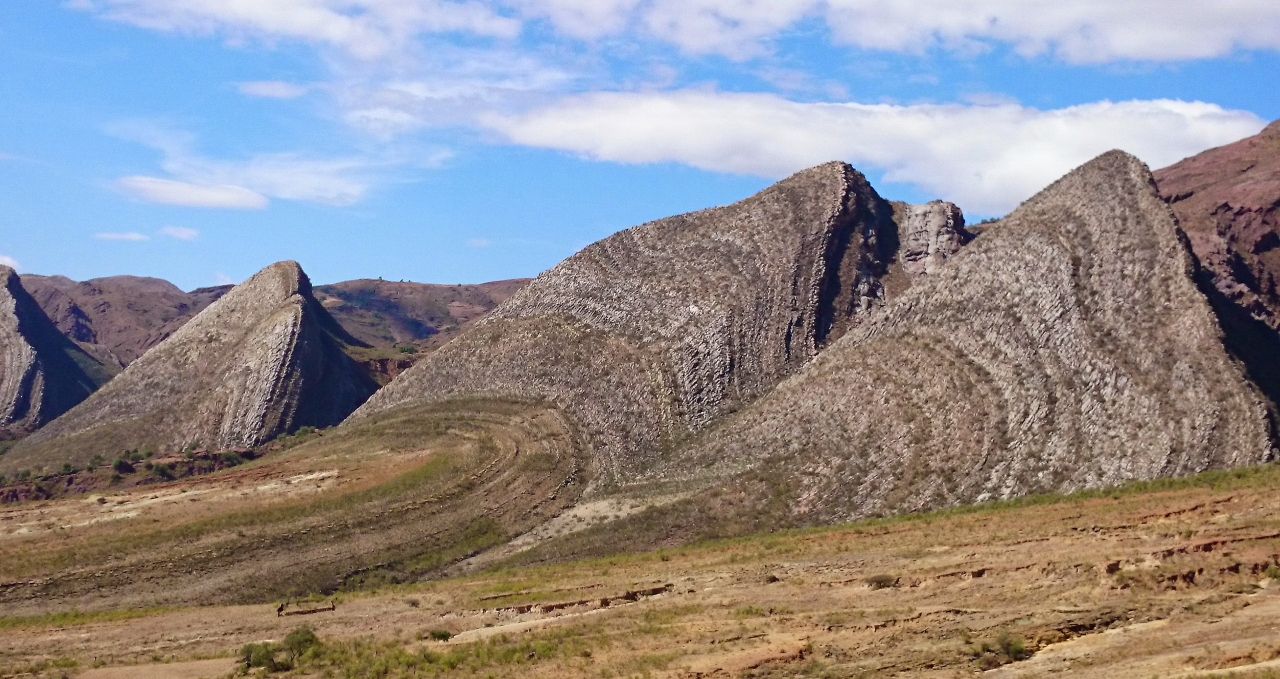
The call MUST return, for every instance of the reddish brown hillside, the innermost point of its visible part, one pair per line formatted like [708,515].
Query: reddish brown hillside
[1228,200]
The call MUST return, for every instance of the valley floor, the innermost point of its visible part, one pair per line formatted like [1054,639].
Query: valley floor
[1180,579]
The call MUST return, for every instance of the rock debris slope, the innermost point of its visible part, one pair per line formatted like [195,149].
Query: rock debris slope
[263,360]
[1068,347]
[656,331]
[42,373]
[1228,200]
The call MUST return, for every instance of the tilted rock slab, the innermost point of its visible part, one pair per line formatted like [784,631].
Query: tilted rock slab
[263,360]
[42,373]
[1068,347]
[656,331]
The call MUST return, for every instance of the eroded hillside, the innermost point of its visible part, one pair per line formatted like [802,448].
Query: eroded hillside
[657,331]
[42,374]
[1067,348]
[263,360]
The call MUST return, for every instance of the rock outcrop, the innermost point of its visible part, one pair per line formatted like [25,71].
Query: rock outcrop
[42,373]
[263,360]
[1228,201]
[653,333]
[1068,347]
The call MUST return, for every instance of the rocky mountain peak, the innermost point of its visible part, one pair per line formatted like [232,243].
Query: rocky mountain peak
[263,360]
[42,373]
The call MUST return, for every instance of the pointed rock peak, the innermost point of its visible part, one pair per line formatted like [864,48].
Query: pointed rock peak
[279,281]
[264,360]
[8,277]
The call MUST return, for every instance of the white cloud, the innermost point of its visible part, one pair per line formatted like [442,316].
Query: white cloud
[173,192]
[985,158]
[220,278]
[246,184]
[272,89]
[179,233]
[479,243]
[1080,31]
[366,29]
[584,19]
[125,236]
[10,262]
[732,28]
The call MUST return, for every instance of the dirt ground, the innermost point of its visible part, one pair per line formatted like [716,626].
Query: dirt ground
[1165,583]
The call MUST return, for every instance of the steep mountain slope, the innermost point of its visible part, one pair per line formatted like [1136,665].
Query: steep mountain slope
[263,360]
[124,315]
[42,374]
[120,317]
[656,331]
[1067,348]
[1228,201]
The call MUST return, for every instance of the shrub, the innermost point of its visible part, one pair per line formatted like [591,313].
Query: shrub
[882,581]
[123,466]
[261,655]
[299,642]
[440,634]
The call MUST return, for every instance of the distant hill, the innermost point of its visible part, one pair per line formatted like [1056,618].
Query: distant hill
[1228,201]
[657,331]
[263,360]
[1068,347]
[119,318]
[42,373]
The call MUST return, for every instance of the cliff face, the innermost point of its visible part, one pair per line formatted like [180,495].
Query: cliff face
[263,360]
[1228,200]
[42,374]
[1068,347]
[655,332]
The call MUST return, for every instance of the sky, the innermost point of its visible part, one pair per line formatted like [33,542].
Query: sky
[459,141]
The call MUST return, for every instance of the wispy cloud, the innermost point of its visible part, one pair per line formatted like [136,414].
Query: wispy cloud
[173,192]
[220,278]
[272,89]
[10,262]
[479,243]
[986,158]
[179,233]
[196,180]
[125,236]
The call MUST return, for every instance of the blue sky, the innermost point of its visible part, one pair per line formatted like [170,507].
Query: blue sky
[463,141]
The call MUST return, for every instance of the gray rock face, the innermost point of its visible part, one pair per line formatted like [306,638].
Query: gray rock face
[655,332]
[930,234]
[42,374]
[1067,348]
[263,360]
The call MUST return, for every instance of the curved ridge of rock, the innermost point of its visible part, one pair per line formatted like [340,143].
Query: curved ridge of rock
[1067,348]
[654,332]
[263,360]
[42,374]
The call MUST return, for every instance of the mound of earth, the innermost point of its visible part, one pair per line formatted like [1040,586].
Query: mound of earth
[1228,201]
[655,332]
[263,360]
[42,373]
[1067,348]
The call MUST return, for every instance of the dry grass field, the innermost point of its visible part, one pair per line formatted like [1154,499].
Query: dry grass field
[1178,578]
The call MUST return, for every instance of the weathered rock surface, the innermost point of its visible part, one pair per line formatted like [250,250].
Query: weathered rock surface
[1067,348]
[263,360]
[1228,201]
[42,373]
[655,332]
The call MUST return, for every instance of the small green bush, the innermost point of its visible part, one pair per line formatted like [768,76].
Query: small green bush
[299,642]
[123,466]
[440,634]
